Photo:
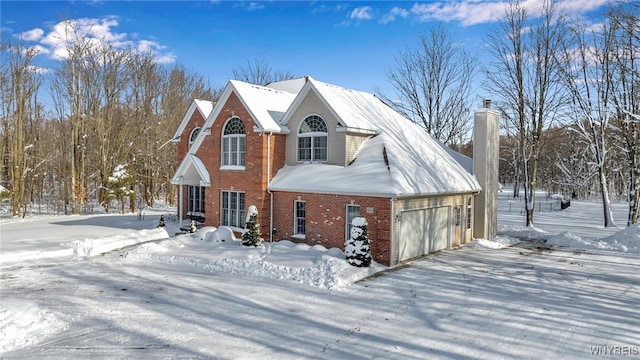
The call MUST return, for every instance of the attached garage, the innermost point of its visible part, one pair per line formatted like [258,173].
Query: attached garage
[424,231]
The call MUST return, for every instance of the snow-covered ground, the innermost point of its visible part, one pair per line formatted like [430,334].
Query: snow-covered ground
[115,286]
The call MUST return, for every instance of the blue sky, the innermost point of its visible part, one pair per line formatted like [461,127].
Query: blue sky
[348,43]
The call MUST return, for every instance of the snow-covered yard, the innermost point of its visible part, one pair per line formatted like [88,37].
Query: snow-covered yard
[77,287]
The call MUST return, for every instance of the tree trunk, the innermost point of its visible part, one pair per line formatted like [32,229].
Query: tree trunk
[606,202]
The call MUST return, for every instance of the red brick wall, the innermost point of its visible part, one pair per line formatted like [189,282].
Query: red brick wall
[325,220]
[253,180]
[196,120]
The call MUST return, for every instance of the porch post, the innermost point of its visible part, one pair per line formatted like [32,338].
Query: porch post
[181,202]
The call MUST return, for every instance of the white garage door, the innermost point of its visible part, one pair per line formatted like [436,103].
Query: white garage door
[424,231]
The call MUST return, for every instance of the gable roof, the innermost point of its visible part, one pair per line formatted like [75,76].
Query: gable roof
[191,172]
[203,106]
[403,160]
[265,105]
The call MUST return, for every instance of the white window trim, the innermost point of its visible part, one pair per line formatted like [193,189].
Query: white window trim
[240,218]
[296,234]
[347,224]
[311,135]
[191,200]
[191,138]
[222,154]
[468,225]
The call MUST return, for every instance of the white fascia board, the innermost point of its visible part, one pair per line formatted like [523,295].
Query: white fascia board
[353,130]
[195,105]
[208,123]
[310,85]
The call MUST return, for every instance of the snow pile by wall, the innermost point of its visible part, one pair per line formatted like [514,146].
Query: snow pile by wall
[498,242]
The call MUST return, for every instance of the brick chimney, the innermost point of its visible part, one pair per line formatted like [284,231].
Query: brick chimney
[486,142]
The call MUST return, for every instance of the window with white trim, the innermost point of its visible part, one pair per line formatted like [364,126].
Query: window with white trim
[193,136]
[469,214]
[195,200]
[300,218]
[457,215]
[312,139]
[353,211]
[232,213]
[233,143]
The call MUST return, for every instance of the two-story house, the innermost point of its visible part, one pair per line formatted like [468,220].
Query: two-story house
[312,156]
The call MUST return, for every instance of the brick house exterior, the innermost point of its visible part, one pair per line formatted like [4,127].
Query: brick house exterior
[311,156]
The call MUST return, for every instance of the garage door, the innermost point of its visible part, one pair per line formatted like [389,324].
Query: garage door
[424,231]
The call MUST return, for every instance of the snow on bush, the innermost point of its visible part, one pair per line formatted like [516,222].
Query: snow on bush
[251,237]
[357,249]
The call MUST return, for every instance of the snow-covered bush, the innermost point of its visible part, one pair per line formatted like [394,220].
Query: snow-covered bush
[119,185]
[192,227]
[357,249]
[252,236]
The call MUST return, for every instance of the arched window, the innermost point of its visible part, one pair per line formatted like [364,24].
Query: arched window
[312,139]
[233,143]
[193,136]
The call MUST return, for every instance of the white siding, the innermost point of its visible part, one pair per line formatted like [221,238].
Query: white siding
[312,105]
[353,142]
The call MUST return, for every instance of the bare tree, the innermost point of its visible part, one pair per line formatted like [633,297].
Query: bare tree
[433,85]
[259,72]
[20,114]
[70,87]
[586,71]
[625,82]
[525,76]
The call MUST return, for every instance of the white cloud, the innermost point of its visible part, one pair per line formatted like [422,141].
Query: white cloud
[465,12]
[254,6]
[39,70]
[94,31]
[472,12]
[393,14]
[362,13]
[31,35]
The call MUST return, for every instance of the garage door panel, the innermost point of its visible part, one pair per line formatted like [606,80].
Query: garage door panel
[423,231]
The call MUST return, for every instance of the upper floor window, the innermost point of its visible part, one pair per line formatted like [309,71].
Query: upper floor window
[312,139]
[193,136]
[233,143]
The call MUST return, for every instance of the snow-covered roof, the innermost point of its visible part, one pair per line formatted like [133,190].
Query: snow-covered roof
[205,107]
[191,172]
[292,85]
[266,105]
[382,167]
[403,160]
[400,160]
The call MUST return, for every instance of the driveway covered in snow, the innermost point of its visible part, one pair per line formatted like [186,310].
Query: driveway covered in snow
[526,301]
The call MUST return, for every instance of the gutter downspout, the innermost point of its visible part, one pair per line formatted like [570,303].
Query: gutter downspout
[393,235]
[180,210]
[269,182]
